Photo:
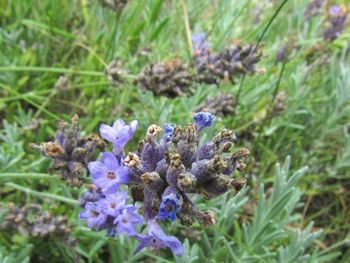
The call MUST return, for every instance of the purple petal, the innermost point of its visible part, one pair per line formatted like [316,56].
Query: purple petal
[335,10]
[126,228]
[133,126]
[110,161]
[108,133]
[96,169]
[144,241]
[123,174]
[118,124]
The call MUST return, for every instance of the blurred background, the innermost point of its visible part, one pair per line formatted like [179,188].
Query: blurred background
[86,57]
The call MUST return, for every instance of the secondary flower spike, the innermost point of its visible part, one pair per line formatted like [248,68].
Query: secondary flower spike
[336,23]
[70,152]
[160,175]
[226,65]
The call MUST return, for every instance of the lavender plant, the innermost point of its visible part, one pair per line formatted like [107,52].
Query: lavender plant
[226,65]
[170,79]
[161,176]
[174,78]
[31,220]
[70,152]
[337,20]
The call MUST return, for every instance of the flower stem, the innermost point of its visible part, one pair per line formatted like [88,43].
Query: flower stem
[269,24]
[27,176]
[187,25]
[52,70]
[42,194]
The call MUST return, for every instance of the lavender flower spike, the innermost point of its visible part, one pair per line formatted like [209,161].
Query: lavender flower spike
[108,174]
[93,216]
[203,119]
[127,220]
[156,238]
[119,134]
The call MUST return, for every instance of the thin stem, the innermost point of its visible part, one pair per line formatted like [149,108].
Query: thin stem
[84,5]
[44,104]
[187,25]
[51,70]
[29,101]
[231,25]
[112,40]
[267,118]
[93,52]
[269,24]
[239,90]
[27,176]
[258,43]
[278,82]
[42,194]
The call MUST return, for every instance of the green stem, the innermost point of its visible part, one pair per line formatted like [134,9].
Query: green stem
[269,24]
[52,70]
[33,103]
[278,82]
[27,176]
[42,194]
[187,25]
[239,91]
[258,43]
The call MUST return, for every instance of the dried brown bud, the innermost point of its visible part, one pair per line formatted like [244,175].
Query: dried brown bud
[52,149]
[152,132]
[170,79]
[114,73]
[206,218]
[131,160]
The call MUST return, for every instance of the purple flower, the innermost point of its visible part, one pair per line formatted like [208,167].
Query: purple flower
[113,203]
[108,174]
[337,24]
[170,205]
[93,215]
[119,134]
[127,220]
[335,10]
[156,238]
[200,45]
[168,132]
[203,119]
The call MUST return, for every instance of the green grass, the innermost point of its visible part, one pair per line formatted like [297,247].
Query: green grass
[42,40]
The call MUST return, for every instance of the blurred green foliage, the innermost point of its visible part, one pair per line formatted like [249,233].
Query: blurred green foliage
[43,40]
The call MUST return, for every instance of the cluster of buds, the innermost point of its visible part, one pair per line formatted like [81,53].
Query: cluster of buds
[70,152]
[161,176]
[337,19]
[170,79]
[31,220]
[173,78]
[115,5]
[221,105]
[226,65]
[314,8]
[114,73]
